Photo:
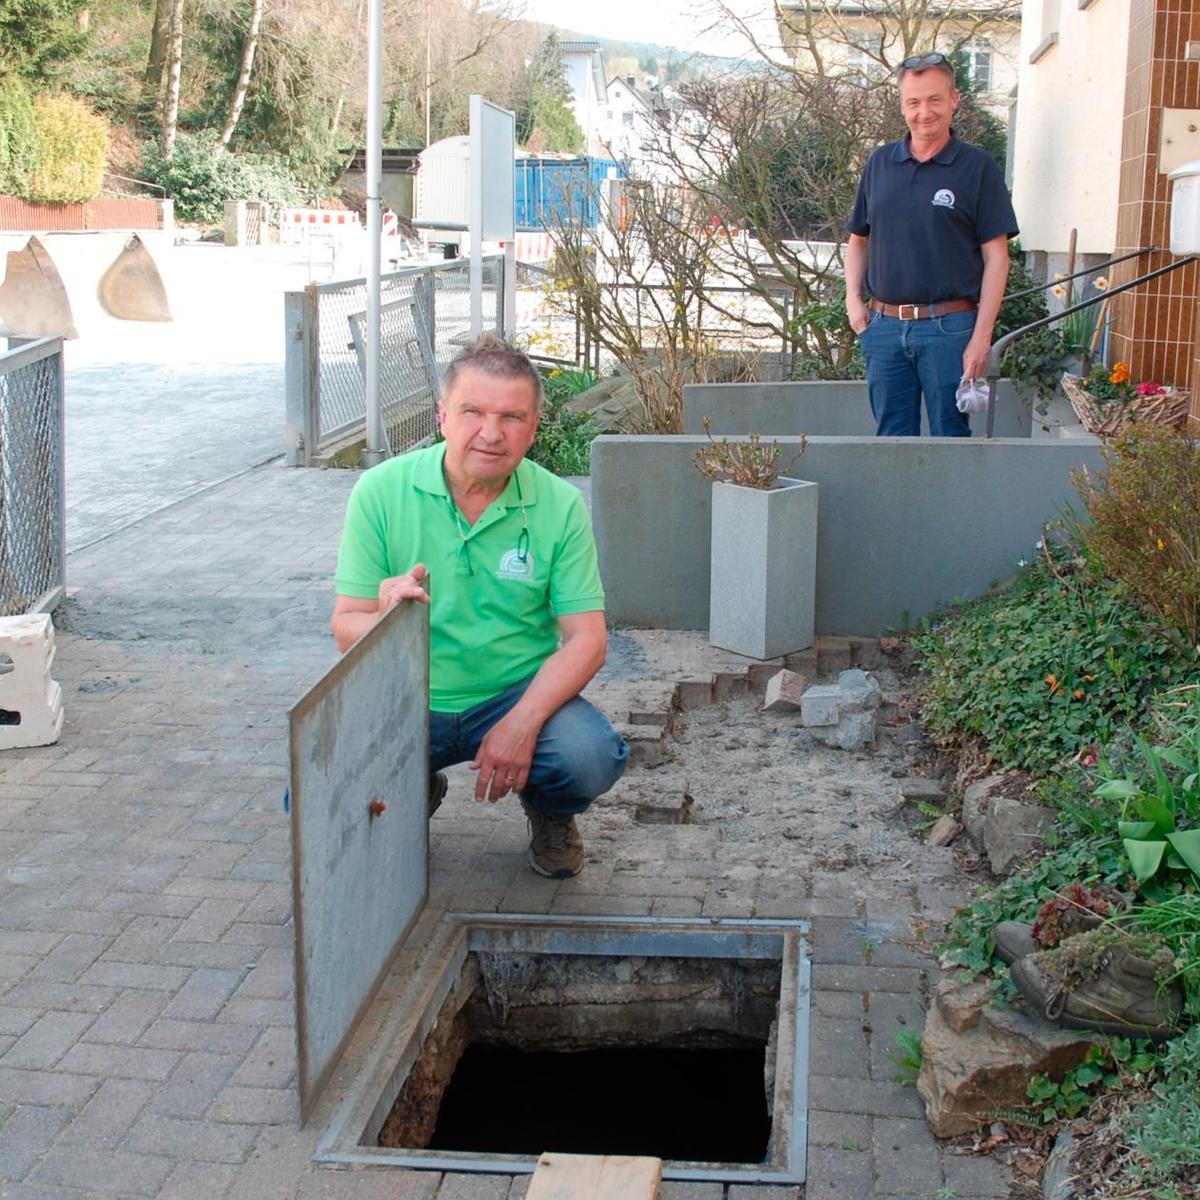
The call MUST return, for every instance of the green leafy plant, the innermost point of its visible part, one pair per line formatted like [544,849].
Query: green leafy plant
[907,1057]
[1176,919]
[752,463]
[1105,1067]
[564,437]
[1164,1133]
[72,142]
[1143,524]
[1057,662]
[1035,359]
[199,176]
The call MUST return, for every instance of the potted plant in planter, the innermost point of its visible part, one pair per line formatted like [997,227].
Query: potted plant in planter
[762,596]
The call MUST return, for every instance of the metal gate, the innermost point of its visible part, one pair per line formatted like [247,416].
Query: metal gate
[32,506]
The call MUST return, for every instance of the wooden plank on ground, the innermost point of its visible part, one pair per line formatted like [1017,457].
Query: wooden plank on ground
[595,1177]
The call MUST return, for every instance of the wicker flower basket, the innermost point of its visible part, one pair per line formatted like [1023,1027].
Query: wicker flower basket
[1114,417]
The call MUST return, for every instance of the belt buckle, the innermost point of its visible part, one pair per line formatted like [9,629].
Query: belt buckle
[914,311]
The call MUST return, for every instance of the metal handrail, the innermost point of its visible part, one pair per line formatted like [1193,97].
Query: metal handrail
[996,353]
[1112,262]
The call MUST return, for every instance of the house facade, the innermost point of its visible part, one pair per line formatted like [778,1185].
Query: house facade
[865,38]
[583,68]
[1108,104]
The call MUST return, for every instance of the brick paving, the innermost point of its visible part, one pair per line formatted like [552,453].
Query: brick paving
[146,1025]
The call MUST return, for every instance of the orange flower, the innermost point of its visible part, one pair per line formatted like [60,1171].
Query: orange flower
[1119,373]
[1055,686]
[1078,693]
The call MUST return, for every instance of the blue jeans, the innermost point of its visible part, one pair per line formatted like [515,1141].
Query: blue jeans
[908,358]
[578,756]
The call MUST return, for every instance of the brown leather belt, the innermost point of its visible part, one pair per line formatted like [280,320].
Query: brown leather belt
[921,312]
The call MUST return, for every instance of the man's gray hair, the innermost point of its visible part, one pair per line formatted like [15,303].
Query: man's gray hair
[493,356]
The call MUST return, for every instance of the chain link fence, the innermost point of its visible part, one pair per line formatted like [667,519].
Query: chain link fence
[32,538]
[425,319]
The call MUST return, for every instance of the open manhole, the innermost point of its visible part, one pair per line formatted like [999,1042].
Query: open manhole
[647,1036]
[672,1038]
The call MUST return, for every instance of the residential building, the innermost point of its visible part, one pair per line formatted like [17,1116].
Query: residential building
[1109,103]
[643,126]
[864,38]
[583,67]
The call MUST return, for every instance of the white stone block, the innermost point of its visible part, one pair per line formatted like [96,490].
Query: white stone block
[30,701]
[819,705]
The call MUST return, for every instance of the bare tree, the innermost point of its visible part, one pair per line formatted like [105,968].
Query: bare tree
[174,69]
[160,36]
[249,47]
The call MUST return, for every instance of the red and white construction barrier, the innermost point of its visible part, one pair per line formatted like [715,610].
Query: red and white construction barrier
[297,225]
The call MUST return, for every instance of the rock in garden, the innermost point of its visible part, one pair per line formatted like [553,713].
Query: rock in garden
[855,731]
[785,691]
[1010,830]
[975,803]
[943,832]
[819,705]
[983,1061]
[917,789]
[859,692]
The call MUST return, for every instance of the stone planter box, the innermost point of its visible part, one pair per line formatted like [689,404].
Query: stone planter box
[764,565]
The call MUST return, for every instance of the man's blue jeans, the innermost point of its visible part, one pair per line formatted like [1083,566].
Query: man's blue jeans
[578,757]
[908,358]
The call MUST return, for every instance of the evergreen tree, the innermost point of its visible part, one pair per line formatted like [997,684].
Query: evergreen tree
[544,116]
[38,36]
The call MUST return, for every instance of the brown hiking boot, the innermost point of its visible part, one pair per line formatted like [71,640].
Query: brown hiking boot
[555,847]
[1104,980]
[1014,939]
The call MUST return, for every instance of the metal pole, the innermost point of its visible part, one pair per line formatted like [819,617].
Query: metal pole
[374,451]
[475,218]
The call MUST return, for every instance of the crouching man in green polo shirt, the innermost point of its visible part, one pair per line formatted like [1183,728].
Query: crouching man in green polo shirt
[517,609]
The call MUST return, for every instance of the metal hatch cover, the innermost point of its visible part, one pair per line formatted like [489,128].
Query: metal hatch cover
[360,872]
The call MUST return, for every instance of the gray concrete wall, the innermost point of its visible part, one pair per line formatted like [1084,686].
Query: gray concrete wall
[821,407]
[904,525]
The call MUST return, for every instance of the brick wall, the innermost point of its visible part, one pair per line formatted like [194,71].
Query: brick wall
[19,216]
[1156,328]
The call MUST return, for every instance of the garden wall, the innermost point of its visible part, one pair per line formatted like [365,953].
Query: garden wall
[905,525]
[838,409]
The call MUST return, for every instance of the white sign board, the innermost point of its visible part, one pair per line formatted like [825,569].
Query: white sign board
[493,198]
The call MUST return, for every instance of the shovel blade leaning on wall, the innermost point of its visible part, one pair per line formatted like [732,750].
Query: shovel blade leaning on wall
[33,301]
[132,289]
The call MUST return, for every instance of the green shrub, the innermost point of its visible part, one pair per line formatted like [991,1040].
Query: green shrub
[564,437]
[72,142]
[1144,530]
[18,138]
[1164,1134]
[199,176]
[1057,662]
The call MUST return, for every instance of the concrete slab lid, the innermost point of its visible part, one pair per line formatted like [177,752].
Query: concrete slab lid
[360,832]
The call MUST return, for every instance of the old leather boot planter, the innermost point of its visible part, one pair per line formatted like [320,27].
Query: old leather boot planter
[1106,980]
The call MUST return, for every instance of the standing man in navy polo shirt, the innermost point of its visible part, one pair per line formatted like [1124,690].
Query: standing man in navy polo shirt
[929,247]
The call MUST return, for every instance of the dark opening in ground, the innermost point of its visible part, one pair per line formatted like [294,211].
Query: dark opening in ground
[689,1105]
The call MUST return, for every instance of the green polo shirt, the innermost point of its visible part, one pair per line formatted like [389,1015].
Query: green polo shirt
[493,603]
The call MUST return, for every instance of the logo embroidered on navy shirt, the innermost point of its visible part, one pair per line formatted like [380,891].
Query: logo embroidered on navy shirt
[943,198]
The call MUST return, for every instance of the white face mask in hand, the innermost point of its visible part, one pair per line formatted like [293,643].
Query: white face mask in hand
[972,396]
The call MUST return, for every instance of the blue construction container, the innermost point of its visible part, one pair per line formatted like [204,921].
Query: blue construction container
[561,188]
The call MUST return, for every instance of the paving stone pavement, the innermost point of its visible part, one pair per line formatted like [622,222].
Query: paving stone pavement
[146,1023]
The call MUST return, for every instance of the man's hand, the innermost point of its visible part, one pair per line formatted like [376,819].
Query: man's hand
[353,616]
[858,313]
[505,756]
[975,358]
[403,587]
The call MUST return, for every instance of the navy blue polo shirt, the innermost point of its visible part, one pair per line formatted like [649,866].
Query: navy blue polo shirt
[927,220]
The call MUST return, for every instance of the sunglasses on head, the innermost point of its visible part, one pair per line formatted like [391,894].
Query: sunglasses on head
[918,62]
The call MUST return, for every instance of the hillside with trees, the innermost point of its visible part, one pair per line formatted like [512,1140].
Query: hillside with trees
[259,98]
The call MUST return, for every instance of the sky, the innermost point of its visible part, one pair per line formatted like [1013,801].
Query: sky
[680,23]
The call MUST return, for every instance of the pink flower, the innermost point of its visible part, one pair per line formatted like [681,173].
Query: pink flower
[1089,757]
[1151,389]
